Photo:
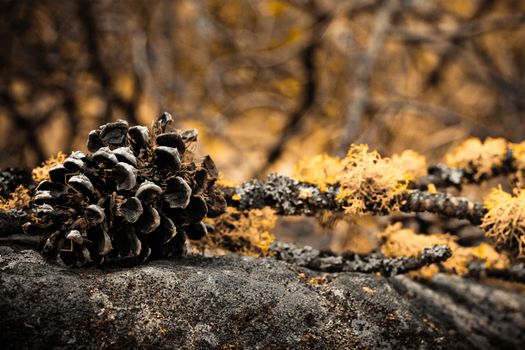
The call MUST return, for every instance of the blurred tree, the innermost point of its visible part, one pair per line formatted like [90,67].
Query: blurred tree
[266,81]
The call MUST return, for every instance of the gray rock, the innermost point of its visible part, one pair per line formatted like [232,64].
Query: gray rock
[235,302]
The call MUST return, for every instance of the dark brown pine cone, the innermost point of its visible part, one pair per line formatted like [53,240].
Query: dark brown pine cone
[138,195]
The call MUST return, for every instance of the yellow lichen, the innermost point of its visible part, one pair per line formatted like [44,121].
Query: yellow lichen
[479,156]
[368,178]
[399,242]
[41,173]
[432,188]
[414,163]
[247,233]
[18,199]
[504,221]
[223,182]
[518,152]
[321,170]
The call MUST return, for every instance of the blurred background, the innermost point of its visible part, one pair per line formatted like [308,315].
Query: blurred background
[266,82]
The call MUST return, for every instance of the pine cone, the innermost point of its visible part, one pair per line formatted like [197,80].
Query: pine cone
[137,196]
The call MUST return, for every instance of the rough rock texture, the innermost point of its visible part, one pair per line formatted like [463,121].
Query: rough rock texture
[237,302]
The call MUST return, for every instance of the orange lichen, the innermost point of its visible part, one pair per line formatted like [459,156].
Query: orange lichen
[478,156]
[322,170]
[414,163]
[504,221]
[247,233]
[369,178]
[18,199]
[399,242]
[41,173]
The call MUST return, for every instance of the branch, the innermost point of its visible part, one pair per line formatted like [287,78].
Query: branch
[442,175]
[288,196]
[514,273]
[328,262]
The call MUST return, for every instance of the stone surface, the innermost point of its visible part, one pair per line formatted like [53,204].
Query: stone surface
[234,302]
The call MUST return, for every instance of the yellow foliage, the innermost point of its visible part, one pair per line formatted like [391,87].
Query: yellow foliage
[321,170]
[18,199]
[504,221]
[367,177]
[400,242]
[478,156]
[41,173]
[247,233]
[414,163]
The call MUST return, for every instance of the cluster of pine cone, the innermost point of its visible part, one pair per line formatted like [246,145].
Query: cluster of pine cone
[136,196]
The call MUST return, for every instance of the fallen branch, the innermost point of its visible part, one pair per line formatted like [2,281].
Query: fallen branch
[374,263]
[515,273]
[288,196]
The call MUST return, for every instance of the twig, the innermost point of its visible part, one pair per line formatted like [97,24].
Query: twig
[328,262]
[515,273]
[291,197]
